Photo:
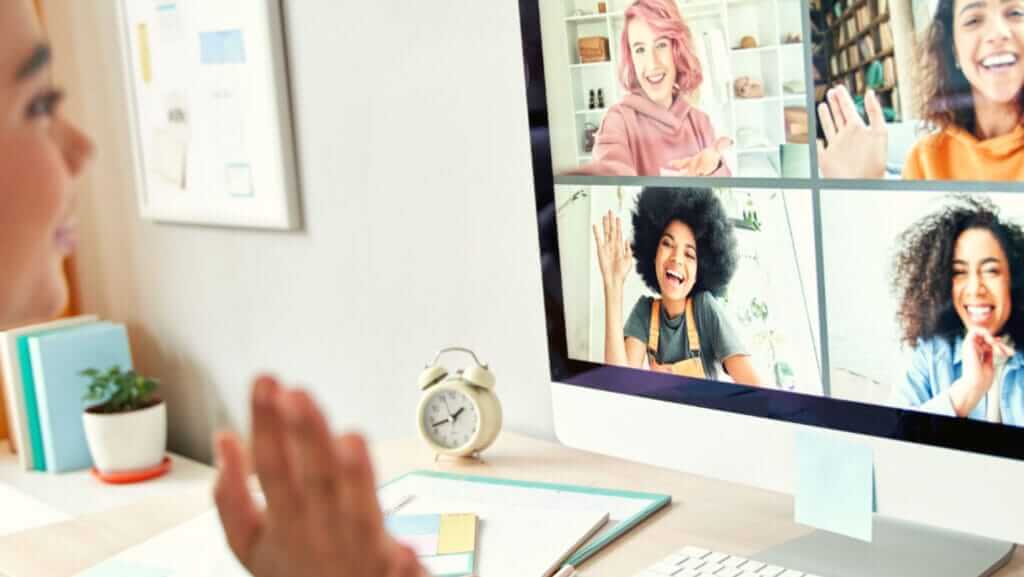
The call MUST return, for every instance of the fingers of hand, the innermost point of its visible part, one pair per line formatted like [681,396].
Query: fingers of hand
[238,514]
[876,118]
[828,125]
[270,450]
[358,494]
[850,115]
[316,466]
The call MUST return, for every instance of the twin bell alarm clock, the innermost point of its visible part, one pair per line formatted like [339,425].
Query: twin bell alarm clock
[459,414]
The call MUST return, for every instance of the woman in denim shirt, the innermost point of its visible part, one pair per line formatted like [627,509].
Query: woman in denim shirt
[958,274]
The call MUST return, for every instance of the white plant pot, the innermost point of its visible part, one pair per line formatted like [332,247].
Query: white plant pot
[131,441]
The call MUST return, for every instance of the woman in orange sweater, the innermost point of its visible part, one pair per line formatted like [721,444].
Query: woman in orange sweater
[973,75]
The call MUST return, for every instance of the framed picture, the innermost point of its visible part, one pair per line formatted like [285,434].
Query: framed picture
[209,112]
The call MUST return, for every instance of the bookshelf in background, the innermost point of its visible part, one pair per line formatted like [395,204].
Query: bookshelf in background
[860,49]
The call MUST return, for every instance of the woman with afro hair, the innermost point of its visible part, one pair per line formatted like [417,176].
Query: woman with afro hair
[959,275]
[686,253]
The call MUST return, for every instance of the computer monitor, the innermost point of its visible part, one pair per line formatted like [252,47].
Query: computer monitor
[831,287]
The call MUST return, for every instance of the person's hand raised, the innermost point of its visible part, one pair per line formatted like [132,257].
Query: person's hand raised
[614,256]
[980,348]
[322,517]
[854,149]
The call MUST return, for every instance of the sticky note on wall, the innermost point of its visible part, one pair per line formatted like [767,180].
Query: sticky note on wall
[145,55]
[835,485]
[222,47]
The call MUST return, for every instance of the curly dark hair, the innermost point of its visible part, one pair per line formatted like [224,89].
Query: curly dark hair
[946,92]
[702,211]
[923,269]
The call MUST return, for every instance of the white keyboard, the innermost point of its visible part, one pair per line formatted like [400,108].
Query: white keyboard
[697,562]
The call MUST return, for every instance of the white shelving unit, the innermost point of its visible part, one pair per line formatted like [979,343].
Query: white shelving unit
[756,125]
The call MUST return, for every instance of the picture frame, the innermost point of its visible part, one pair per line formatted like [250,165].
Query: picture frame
[209,112]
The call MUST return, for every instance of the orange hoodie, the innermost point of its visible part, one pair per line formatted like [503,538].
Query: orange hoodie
[955,154]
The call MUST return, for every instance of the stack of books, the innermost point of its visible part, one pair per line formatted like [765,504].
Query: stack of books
[41,367]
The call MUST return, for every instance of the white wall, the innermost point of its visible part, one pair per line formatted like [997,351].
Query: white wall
[420,226]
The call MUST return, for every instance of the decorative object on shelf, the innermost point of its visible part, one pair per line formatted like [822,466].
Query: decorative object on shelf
[589,137]
[592,101]
[791,38]
[797,124]
[748,42]
[748,87]
[593,49]
[794,86]
[602,7]
[126,428]
[209,114]
[600,97]
[469,394]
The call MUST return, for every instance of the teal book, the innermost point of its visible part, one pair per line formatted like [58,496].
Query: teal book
[57,361]
[23,368]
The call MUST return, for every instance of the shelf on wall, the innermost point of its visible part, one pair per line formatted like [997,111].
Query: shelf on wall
[592,111]
[759,49]
[587,18]
[591,64]
[759,100]
[881,55]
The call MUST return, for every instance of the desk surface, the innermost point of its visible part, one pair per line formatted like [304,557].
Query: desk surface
[712,514]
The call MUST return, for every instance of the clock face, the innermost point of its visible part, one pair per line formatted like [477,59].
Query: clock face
[450,418]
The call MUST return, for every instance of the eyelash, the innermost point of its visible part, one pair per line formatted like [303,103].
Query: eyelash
[45,104]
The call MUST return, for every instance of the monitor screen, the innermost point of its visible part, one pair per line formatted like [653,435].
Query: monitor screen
[706,240]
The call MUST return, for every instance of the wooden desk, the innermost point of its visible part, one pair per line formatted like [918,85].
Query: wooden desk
[711,514]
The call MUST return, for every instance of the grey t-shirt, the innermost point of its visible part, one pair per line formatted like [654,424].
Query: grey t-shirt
[719,338]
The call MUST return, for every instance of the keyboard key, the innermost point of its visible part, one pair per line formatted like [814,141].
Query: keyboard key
[771,571]
[728,572]
[665,568]
[676,559]
[715,557]
[692,563]
[696,552]
[735,561]
[752,566]
[750,574]
[711,568]
[793,573]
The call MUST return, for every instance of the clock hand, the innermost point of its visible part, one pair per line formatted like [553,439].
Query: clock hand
[457,413]
[443,421]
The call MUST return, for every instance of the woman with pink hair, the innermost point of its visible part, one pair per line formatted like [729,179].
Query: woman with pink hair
[654,130]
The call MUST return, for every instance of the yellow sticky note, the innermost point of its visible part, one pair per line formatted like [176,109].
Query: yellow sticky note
[457,535]
[145,58]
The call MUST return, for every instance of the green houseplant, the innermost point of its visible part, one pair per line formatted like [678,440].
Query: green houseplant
[125,422]
[117,391]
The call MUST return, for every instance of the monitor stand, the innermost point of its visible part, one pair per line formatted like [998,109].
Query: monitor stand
[899,549]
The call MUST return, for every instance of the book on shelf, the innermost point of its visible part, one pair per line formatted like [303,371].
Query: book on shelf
[885,36]
[889,71]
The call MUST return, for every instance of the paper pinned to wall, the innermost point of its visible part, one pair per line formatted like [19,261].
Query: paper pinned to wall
[835,488]
[222,47]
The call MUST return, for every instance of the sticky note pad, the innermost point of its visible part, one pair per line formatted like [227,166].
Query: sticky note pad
[835,487]
[117,568]
[445,544]
[145,57]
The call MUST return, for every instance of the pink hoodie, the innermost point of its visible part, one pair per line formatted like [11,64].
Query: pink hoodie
[640,138]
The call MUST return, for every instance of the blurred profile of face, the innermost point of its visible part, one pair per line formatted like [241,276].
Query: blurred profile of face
[653,62]
[981,281]
[40,154]
[988,39]
[675,261]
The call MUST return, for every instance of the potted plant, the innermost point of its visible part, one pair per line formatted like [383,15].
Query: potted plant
[126,426]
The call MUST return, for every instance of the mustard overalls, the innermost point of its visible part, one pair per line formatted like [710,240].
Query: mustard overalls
[691,367]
